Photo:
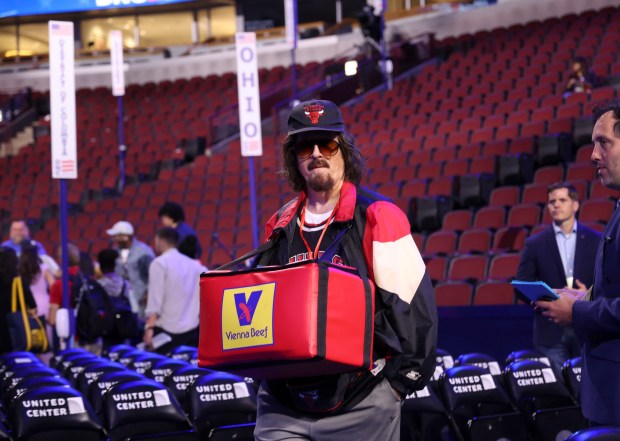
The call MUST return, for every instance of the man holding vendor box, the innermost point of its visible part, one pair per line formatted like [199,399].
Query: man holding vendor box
[596,317]
[370,233]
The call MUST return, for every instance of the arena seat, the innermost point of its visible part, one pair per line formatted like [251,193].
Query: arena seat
[468,267]
[219,399]
[424,417]
[141,407]
[453,293]
[479,405]
[477,240]
[52,413]
[440,242]
[181,379]
[596,434]
[457,220]
[479,359]
[504,266]
[527,354]
[100,386]
[490,217]
[505,196]
[493,292]
[93,371]
[161,370]
[542,396]
[571,371]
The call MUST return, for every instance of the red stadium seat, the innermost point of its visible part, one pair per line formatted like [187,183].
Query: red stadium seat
[457,220]
[453,294]
[476,240]
[596,210]
[505,196]
[584,172]
[535,194]
[440,242]
[508,239]
[598,190]
[493,293]
[549,174]
[468,268]
[436,267]
[504,266]
[523,215]
[490,217]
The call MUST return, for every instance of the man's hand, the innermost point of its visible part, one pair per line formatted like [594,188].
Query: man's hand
[580,286]
[148,338]
[560,311]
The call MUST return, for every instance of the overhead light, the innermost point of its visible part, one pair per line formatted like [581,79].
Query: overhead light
[350,68]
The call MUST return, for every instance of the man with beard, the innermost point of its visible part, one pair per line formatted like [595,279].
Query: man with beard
[595,317]
[133,263]
[322,163]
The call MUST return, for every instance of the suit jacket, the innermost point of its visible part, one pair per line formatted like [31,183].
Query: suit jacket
[597,326]
[540,260]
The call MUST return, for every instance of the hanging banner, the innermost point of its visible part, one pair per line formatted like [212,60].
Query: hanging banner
[249,101]
[290,22]
[116,61]
[62,100]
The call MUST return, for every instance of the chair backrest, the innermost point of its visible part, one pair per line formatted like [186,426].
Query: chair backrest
[186,353]
[596,434]
[164,368]
[473,391]
[99,387]
[220,399]
[534,386]
[54,412]
[9,395]
[477,240]
[571,370]
[141,407]
[94,371]
[144,362]
[479,359]
[527,354]
[115,352]
[179,380]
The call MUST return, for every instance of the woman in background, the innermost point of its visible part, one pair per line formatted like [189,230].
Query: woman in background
[8,271]
[38,277]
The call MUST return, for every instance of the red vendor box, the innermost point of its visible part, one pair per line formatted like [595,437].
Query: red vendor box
[304,319]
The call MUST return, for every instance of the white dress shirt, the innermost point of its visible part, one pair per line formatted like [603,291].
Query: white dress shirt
[174,292]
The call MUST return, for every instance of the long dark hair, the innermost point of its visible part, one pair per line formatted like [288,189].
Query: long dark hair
[354,164]
[29,266]
[8,265]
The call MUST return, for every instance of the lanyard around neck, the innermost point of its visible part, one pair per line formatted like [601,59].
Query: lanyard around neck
[315,254]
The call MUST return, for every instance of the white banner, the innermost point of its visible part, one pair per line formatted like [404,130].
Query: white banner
[116,61]
[290,22]
[62,100]
[249,101]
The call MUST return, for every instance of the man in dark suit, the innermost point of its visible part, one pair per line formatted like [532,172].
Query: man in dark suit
[561,255]
[596,317]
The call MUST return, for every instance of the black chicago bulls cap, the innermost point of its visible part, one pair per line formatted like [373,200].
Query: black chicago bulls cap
[315,116]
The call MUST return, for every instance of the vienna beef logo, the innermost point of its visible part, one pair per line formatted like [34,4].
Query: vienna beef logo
[247,316]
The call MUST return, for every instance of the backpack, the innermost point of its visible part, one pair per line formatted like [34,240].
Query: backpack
[125,321]
[94,317]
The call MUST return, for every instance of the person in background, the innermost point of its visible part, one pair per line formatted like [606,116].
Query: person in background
[133,263]
[561,255]
[114,285]
[36,274]
[172,215]
[18,234]
[174,295]
[8,272]
[595,316]
[581,79]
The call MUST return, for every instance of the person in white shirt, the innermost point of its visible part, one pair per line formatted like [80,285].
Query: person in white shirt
[172,308]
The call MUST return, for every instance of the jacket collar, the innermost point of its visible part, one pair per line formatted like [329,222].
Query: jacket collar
[344,213]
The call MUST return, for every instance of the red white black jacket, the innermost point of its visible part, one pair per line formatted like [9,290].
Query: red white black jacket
[405,311]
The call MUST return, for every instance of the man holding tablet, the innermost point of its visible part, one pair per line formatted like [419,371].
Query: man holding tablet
[596,317]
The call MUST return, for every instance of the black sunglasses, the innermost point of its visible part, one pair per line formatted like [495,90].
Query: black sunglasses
[327,147]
